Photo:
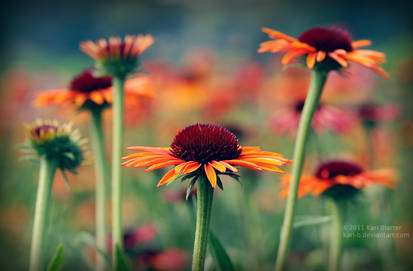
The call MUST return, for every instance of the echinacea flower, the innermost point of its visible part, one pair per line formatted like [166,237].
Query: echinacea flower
[326,117]
[90,91]
[57,147]
[340,179]
[203,152]
[204,149]
[56,142]
[117,57]
[139,236]
[170,259]
[373,114]
[324,49]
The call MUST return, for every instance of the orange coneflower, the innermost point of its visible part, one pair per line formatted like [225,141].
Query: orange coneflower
[339,179]
[326,117]
[131,47]
[115,56]
[204,149]
[88,90]
[324,49]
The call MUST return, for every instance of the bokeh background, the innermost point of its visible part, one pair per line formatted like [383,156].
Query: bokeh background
[204,68]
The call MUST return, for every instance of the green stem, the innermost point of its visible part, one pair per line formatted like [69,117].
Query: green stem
[117,235]
[313,97]
[205,195]
[336,234]
[101,187]
[44,189]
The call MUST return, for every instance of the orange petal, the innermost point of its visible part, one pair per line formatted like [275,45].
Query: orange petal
[80,99]
[150,149]
[262,160]
[97,97]
[288,57]
[163,164]
[270,168]
[228,166]
[311,60]
[142,154]
[243,163]
[337,58]
[211,175]
[321,55]
[320,187]
[168,177]
[249,149]
[218,166]
[360,43]
[274,46]
[144,162]
[191,167]
[274,34]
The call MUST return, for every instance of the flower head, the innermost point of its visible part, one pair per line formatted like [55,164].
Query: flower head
[117,57]
[90,91]
[139,236]
[169,259]
[326,117]
[372,114]
[204,149]
[56,142]
[324,48]
[340,179]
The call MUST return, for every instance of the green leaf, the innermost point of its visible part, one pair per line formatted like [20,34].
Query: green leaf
[69,155]
[87,239]
[219,183]
[65,179]
[122,263]
[29,158]
[190,186]
[222,260]
[190,175]
[308,221]
[232,175]
[56,263]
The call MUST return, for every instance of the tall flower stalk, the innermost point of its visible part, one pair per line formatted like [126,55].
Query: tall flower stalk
[336,235]
[117,146]
[316,88]
[322,50]
[101,186]
[57,147]
[205,194]
[44,189]
[119,59]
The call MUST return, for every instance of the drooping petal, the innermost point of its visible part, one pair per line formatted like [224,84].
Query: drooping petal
[97,97]
[168,177]
[338,58]
[191,167]
[288,57]
[218,166]
[243,163]
[321,55]
[211,175]
[228,166]
[311,60]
